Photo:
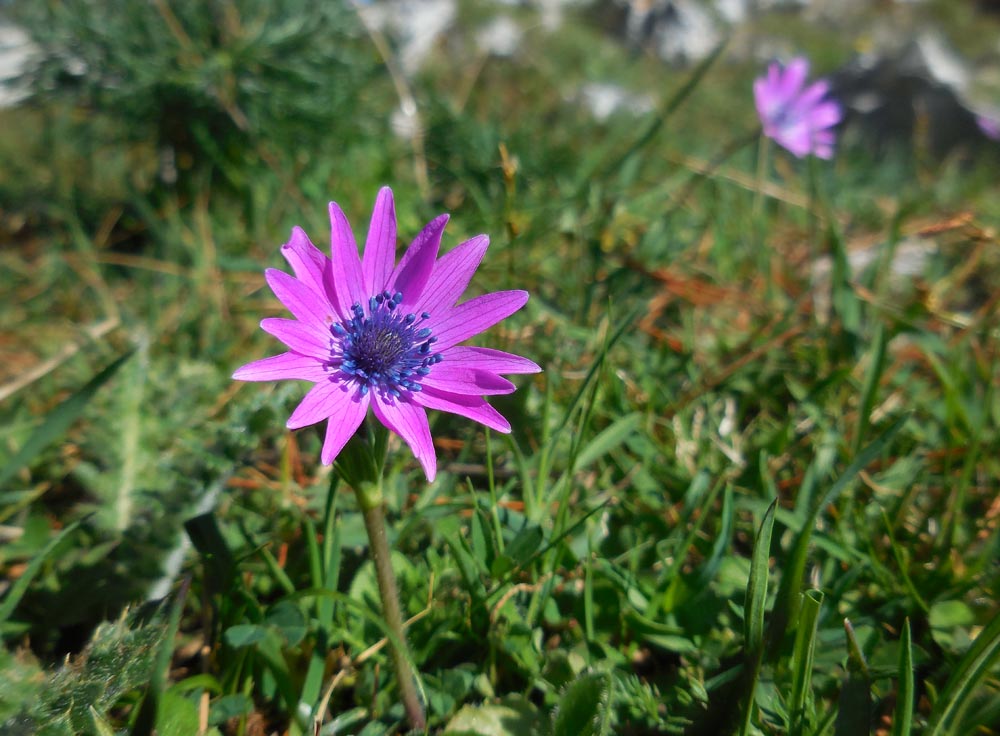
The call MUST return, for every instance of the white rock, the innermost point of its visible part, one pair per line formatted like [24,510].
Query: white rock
[501,37]
[603,100]
[16,50]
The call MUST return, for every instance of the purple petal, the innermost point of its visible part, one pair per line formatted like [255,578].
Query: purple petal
[344,272]
[988,127]
[416,265]
[825,115]
[476,315]
[812,95]
[328,399]
[451,275]
[299,336]
[380,247]
[341,426]
[300,300]
[470,407]
[287,366]
[463,380]
[306,260]
[823,152]
[409,421]
[765,101]
[796,138]
[793,77]
[487,359]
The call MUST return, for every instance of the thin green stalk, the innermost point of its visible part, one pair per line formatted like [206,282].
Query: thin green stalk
[370,500]
[491,481]
[763,157]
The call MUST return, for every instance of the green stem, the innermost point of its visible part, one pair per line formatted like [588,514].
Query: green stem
[370,500]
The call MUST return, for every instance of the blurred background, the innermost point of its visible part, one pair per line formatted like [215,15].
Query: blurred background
[155,154]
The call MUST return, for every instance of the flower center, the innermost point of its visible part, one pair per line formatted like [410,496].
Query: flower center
[386,350]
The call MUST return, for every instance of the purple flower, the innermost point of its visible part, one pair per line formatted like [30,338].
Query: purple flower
[988,127]
[799,118]
[369,332]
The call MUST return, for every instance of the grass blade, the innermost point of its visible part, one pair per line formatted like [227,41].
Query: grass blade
[20,586]
[59,420]
[870,387]
[145,721]
[802,660]
[902,720]
[854,707]
[756,598]
[971,671]
[753,612]
[786,607]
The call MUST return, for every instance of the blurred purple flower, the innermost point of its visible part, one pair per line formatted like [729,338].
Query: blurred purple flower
[989,127]
[797,117]
[370,332]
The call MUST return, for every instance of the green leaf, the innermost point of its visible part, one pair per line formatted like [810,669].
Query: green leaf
[584,709]
[177,716]
[510,717]
[59,420]
[229,706]
[244,635]
[288,619]
[949,622]
[519,551]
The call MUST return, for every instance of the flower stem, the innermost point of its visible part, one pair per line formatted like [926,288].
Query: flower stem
[370,500]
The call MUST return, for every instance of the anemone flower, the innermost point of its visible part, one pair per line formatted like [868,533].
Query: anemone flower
[372,333]
[799,118]
[988,126]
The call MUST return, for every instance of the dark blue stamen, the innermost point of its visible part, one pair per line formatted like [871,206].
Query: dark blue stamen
[385,351]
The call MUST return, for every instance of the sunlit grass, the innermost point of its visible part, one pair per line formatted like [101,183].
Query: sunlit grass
[698,367]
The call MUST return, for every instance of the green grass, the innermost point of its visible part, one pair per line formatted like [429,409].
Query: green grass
[723,461]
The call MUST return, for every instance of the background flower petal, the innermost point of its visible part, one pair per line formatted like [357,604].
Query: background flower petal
[409,421]
[287,366]
[380,247]
[793,77]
